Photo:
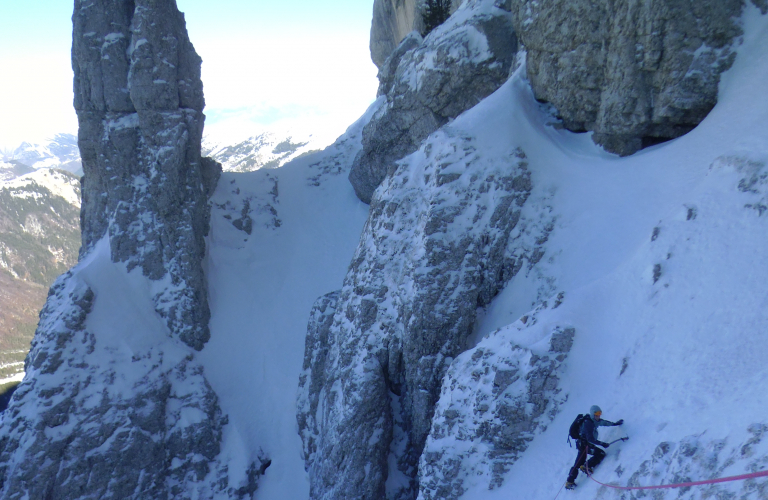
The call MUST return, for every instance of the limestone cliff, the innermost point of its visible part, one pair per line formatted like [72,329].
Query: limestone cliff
[139,102]
[392,21]
[394,402]
[433,248]
[114,403]
[635,73]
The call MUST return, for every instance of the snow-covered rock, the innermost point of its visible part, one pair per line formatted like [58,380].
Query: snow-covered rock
[429,82]
[635,304]
[495,399]
[113,403]
[510,274]
[108,411]
[139,100]
[433,249]
[698,457]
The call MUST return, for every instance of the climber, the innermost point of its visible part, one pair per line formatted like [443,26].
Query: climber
[587,443]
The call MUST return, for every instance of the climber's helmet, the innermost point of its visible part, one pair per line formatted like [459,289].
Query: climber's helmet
[596,412]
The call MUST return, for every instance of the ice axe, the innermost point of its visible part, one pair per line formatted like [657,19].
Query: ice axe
[617,440]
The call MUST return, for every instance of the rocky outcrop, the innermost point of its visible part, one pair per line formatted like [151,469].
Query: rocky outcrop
[435,247]
[634,73]
[392,21]
[428,82]
[84,426]
[114,403]
[139,102]
[495,399]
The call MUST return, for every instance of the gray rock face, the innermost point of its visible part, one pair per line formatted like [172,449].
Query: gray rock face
[392,21]
[635,73]
[435,247]
[429,82]
[494,400]
[113,403]
[139,102]
[85,426]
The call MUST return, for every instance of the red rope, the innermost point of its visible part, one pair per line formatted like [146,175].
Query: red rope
[558,491]
[741,477]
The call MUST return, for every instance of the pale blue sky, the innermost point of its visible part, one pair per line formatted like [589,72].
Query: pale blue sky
[263,61]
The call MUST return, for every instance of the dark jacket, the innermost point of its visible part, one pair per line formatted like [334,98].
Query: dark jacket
[589,427]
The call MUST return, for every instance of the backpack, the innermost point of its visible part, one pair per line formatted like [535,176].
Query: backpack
[575,430]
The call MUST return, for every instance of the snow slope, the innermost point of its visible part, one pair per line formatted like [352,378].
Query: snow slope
[306,221]
[661,258]
[670,323]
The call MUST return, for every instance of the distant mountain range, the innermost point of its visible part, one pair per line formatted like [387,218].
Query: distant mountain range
[269,149]
[59,152]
